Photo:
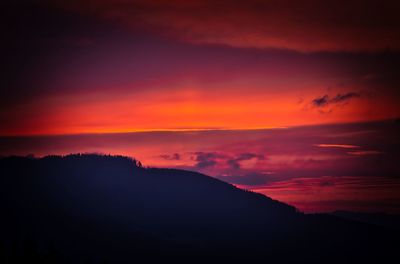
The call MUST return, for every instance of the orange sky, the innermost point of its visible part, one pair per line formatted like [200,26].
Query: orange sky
[182,65]
[189,108]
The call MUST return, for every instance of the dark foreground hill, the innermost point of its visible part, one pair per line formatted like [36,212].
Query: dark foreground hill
[109,209]
[379,219]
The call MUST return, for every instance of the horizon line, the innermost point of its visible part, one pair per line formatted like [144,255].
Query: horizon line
[154,130]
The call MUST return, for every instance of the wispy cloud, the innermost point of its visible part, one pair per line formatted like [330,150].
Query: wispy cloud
[326,100]
[364,152]
[346,146]
[344,97]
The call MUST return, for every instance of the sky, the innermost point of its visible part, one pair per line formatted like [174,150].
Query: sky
[294,99]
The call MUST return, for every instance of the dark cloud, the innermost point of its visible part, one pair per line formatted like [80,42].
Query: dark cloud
[175,156]
[247,156]
[325,183]
[338,99]
[303,25]
[207,159]
[320,101]
[234,163]
[205,163]
[210,159]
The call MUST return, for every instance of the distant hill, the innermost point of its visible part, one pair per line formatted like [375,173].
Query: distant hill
[96,209]
[379,219]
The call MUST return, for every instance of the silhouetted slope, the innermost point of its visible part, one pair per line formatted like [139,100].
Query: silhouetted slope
[92,208]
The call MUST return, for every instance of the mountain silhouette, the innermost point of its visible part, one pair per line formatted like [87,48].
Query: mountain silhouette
[110,209]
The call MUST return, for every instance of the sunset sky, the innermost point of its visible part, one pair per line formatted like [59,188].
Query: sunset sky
[298,100]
